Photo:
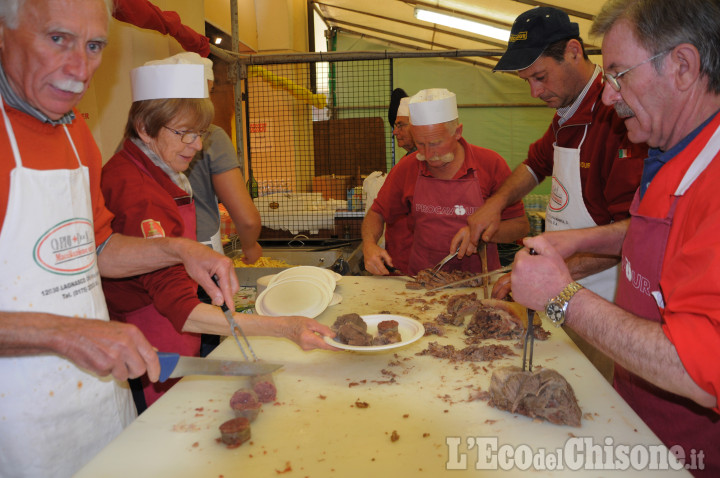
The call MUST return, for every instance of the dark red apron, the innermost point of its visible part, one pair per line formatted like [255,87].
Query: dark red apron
[675,420]
[440,209]
[156,327]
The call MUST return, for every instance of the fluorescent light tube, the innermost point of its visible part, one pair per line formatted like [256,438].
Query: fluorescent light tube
[462,24]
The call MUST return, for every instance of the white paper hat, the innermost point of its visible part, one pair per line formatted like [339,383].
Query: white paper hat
[187,58]
[433,106]
[168,81]
[403,109]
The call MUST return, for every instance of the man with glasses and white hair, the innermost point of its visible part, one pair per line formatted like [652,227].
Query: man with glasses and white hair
[438,186]
[58,405]
[662,66]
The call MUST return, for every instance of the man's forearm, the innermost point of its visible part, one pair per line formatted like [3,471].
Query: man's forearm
[583,265]
[511,230]
[515,187]
[372,227]
[637,344]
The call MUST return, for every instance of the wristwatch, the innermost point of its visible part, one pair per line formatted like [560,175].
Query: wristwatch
[557,308]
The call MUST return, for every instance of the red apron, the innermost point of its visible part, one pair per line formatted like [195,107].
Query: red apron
[675,420]
[440,208]
[156,327]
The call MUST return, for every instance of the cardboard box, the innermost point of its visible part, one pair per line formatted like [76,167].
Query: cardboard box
[332,186]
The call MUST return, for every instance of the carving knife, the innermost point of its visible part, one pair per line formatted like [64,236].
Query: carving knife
[468,279]
[174,365]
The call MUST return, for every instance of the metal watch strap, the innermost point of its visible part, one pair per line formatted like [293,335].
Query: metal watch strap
[562,300]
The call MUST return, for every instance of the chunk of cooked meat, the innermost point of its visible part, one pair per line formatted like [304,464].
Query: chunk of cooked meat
[351,333]
[349,319]
[541,394]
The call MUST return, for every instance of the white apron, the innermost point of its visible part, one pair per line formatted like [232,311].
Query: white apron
[54,417]
[566,210]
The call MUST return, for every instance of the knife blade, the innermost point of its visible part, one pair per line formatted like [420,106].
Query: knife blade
[175,365]
[468,279]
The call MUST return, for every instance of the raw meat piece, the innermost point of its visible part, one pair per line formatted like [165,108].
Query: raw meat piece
[541,394]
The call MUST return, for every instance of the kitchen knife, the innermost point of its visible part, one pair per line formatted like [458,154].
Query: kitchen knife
[468,279]
[175,365]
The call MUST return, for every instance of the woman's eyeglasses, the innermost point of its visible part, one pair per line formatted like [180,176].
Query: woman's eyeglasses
[188,137]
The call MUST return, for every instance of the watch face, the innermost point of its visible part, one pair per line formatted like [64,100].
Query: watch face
[555,312]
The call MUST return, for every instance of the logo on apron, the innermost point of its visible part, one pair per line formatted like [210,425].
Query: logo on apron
[559,198]
[67,248]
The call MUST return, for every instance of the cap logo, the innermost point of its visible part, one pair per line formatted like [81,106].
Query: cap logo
[518,36]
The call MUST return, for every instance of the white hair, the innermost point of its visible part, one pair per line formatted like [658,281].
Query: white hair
[10,11]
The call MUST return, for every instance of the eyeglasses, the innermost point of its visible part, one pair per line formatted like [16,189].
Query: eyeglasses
[188,137]
[613,79]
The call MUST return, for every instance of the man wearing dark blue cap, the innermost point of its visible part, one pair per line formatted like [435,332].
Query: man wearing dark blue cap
[595,169]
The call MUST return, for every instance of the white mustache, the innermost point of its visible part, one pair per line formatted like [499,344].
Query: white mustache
[72,86]
[445,158]
[623,110]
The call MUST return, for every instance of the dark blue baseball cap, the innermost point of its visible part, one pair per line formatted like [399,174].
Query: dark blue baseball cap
[531,33]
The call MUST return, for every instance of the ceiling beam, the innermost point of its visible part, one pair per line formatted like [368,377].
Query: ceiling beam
[476,38]
[415,47]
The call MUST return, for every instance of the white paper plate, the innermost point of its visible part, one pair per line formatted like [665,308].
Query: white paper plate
[294,297]
[325,275]
[410,331]
[336,299]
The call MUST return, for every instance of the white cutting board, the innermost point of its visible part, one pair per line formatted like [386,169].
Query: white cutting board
[316,430]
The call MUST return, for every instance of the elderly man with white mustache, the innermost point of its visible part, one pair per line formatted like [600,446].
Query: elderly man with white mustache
[662,66]
[439,186]
[63,364]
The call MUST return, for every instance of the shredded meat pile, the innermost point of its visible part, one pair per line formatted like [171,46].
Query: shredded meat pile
[425,279]
[472,353]
[491,319]
[541,394]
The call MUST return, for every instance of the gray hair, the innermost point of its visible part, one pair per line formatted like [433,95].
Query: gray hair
[10,11]
[661,25]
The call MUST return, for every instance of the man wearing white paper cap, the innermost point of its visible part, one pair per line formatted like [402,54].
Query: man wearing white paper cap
[59,404]
[439,185]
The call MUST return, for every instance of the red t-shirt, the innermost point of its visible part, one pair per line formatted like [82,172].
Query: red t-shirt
[395,197]
[44,147]
[690,276]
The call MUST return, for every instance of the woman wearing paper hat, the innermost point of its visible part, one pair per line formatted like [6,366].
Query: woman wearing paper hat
[144,187]
[439,186]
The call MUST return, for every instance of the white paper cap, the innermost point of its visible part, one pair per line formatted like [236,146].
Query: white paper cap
[433,106]
[403,109]
[187,58]
[168,81]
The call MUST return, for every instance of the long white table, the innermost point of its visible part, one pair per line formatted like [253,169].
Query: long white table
[315,429]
